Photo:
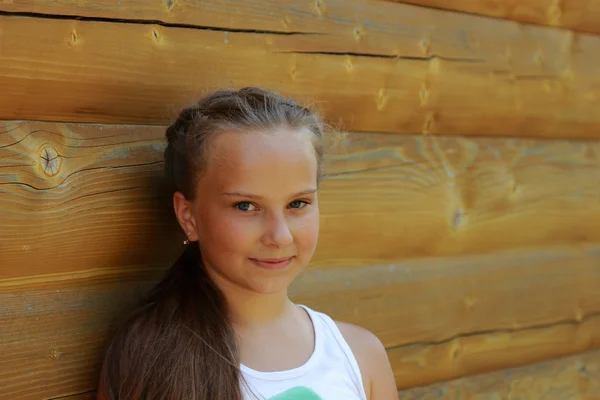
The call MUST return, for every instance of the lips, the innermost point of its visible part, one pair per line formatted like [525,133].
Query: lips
[272,263]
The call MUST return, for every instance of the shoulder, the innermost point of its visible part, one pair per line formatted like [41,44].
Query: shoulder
[373,361]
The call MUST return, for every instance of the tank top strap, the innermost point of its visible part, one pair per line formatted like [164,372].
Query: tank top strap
[330,333]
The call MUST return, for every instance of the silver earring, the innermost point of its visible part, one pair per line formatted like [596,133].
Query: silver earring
[187,241]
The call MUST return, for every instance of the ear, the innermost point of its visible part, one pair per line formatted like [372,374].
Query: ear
[185,216]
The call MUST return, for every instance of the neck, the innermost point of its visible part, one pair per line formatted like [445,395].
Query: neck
[248,309]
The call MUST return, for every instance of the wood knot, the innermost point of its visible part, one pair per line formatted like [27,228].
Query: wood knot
[434,65]
[538,58]
[428,123]
[470,302]
[381,99]
[424,94]
[473,41]
[155,36]
[50,160]
[515,187]
[581,367]
[319,7]
[349,65]
[55,354]
[455,352]
[357,33]
[457,217]
[170,4]
[579,315]
[567,73]
[554,13]
[509,56]
[425,48]
[293,72]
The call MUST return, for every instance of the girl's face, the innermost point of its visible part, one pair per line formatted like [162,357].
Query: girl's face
[256,215]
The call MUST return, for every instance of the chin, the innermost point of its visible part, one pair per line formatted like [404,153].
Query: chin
[273,282]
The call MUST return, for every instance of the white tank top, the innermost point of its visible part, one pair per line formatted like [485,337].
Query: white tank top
[331,372]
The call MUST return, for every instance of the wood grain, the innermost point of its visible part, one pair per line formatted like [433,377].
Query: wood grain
[89,192]
[573,378]
[477,353]
[53,339]
[311,16]
[91,395]
[435,197]
[447,317]
[462,255]
[577,15]
[415,70]
[466,315]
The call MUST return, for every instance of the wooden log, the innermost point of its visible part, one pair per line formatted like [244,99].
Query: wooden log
[577,15]
[303,16]
[91,395]
[418,197]
[474,353]
[430,72]
[573,378]
[453,321]
[445,318]
[455,252]
[81,198]
[53,338]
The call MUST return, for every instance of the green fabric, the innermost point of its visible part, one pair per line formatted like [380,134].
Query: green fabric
[297,393]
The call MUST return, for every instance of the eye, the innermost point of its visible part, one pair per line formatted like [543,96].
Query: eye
[298,204]
[245,206]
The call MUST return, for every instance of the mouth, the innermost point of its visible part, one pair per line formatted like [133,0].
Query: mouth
[272,263]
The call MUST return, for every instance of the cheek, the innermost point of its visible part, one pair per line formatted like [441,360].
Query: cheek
[231,234]
[308,232]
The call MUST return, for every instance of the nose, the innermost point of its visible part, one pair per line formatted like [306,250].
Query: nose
[277,232]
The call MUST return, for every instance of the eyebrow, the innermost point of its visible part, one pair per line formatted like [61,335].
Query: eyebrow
[253,196]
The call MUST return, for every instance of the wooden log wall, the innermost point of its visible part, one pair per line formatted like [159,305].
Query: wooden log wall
[378,68]
[576,15]
[459,215]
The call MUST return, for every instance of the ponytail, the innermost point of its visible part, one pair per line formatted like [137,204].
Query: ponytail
[178,344]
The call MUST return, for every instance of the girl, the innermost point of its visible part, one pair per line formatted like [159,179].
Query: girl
[245,168]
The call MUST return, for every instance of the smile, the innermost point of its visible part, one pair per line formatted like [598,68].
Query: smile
[274,263]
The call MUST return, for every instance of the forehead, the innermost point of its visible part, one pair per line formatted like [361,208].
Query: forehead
[261,162]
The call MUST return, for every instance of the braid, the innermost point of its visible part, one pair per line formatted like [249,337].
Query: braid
[181,125]
[184,322]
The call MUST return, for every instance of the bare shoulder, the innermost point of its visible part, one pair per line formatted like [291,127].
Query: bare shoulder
[376,371]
